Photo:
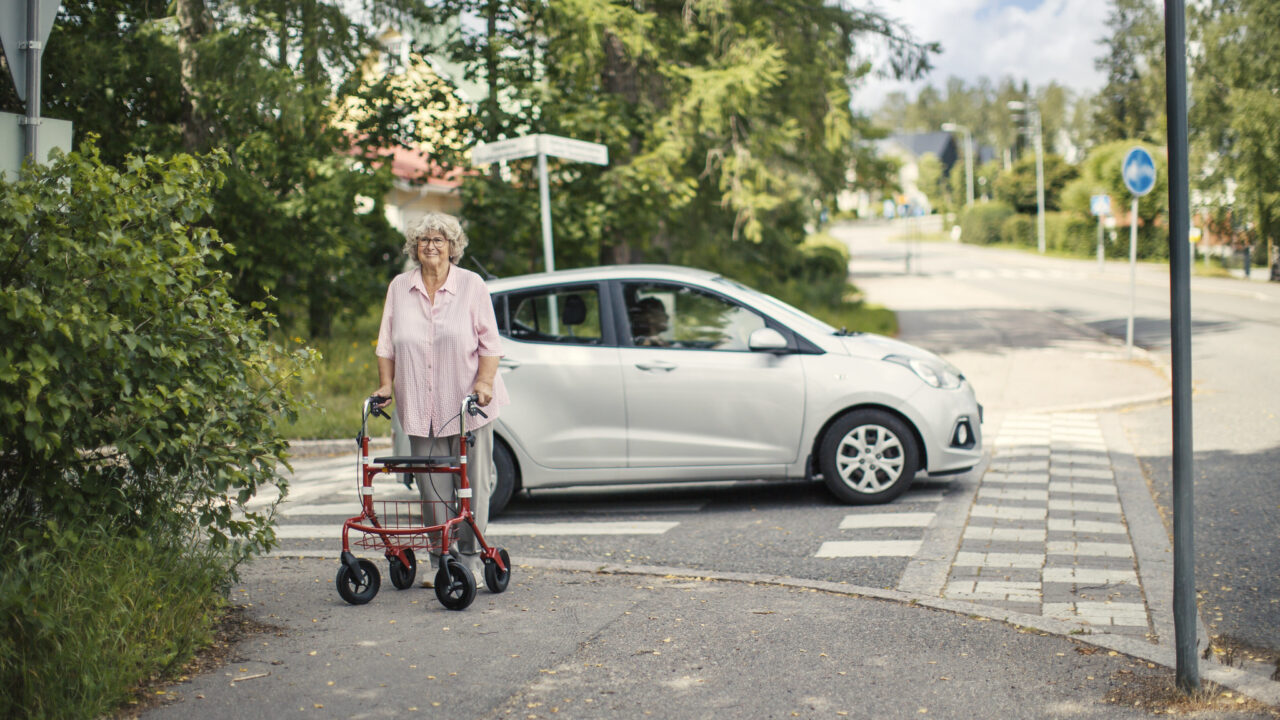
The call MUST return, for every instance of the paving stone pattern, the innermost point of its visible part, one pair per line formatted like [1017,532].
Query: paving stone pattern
[1046,534]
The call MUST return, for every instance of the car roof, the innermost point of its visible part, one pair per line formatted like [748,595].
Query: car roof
[602,272]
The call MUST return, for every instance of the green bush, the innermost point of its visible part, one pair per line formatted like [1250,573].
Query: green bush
[980,224]
[140,409]
[132,388]
[87,615]
[1068,233]
[1019,230]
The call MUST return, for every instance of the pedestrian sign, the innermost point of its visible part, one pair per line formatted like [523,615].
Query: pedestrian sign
[1100,205]
[1139,171]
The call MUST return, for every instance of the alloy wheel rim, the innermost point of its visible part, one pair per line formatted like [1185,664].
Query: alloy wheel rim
[869,458]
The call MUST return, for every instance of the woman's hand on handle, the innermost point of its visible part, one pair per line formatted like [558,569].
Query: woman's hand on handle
[483,392]
[384,392]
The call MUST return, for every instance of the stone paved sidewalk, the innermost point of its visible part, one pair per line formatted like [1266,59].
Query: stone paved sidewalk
[1046,534]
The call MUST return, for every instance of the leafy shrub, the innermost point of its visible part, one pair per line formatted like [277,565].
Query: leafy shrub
[138,406]
[132,388]
[980,224]
[1069,233]
[1019,230]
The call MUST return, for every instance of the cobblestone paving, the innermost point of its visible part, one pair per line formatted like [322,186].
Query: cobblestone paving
[1046,534]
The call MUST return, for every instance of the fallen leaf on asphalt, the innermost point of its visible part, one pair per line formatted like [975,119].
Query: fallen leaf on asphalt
[1086,650]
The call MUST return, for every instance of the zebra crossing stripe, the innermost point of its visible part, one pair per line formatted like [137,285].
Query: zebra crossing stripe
[886,520]
[869,548]
[333,530]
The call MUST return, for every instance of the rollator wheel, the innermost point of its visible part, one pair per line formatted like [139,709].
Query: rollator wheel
[358,590]
[455,588]
[494,578]
[401,576]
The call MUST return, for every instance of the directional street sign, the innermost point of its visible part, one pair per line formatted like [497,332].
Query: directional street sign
[570,149]
[1139,171]
[530,145]
[503,150]
[542,146]
[13,35]
[1100,205]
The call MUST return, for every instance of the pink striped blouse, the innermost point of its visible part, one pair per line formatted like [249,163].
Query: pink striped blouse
[437,349]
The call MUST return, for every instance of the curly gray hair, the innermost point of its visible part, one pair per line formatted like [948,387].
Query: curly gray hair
[436,222]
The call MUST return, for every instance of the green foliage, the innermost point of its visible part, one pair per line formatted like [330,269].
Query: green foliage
[88,614]
[272,84]
[343,377]
[1019,229]
[982,223]
[133,389]
[728,127]
[1018,186]
[1131,104]
[1235,115]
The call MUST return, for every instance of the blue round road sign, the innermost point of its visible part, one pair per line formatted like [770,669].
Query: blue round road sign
[1139,171]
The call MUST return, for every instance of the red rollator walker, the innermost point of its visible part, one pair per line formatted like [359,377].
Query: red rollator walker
[398,527]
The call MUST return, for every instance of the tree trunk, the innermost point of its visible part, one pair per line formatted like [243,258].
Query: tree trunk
[193,26]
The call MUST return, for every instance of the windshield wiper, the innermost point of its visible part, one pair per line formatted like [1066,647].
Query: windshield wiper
[845,332]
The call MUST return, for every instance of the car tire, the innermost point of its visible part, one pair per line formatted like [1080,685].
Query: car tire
[868,457]
[504,478]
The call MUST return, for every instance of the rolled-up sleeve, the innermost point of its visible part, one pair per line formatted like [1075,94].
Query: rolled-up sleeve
[487,325]
[386,347]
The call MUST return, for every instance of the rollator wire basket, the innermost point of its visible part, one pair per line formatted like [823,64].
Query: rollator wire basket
[398,527]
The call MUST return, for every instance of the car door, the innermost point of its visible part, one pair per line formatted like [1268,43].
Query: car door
[562,375]
[696,395]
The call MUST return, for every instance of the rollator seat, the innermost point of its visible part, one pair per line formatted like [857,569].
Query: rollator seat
[418,460]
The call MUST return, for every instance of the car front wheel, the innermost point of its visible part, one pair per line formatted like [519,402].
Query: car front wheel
[504,480]
[868,457]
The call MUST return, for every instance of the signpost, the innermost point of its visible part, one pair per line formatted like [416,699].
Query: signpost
[542,146]
[1100,207]
[1139,173]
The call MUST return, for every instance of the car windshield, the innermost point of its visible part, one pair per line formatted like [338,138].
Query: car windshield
[769,300]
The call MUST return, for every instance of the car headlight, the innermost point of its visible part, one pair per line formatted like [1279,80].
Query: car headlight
[932,373]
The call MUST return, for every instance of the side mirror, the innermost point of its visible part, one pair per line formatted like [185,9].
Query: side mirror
[767,340]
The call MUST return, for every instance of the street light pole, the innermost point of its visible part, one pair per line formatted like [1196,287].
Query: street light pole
[968,156]
[1034,115]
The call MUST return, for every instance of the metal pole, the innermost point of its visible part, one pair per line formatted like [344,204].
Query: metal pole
[549,261]
[1039,184]
[544,200]
[31,122]
[1184,581]
[1101,264]
[968,162]
[1133,275]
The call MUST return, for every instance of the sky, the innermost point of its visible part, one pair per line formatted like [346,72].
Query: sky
[1036,40]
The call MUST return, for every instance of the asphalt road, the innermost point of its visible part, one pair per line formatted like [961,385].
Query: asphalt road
[1236,433]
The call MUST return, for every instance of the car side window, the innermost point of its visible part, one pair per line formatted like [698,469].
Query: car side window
[569,315]
[679,316]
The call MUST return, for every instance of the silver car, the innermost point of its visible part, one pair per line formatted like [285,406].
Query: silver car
[654,373]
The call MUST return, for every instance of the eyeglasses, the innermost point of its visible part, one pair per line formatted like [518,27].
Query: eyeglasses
[438,242]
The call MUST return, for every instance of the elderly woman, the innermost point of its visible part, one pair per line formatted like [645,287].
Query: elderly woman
[438,343]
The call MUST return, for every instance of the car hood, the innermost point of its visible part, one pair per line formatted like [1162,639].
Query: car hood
[875,347]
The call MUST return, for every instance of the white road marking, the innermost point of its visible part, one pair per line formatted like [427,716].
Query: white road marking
[869,548]
[886,520]
[302,531]
[624,527]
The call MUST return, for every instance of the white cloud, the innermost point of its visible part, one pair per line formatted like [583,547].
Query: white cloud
[1036,40]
